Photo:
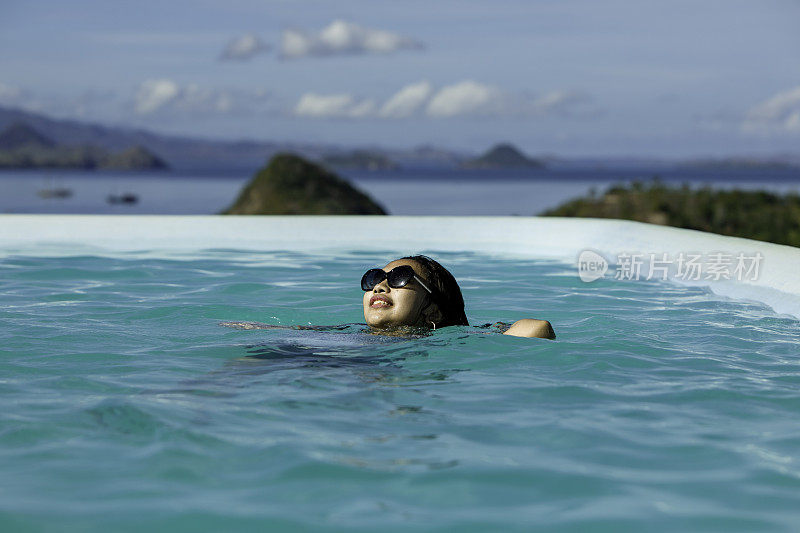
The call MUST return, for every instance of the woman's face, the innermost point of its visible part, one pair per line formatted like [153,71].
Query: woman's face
[385,306]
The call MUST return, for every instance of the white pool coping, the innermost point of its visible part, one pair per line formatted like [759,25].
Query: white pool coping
[777,285]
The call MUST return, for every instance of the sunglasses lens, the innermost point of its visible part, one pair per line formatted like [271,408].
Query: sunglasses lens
[400,276]
[371,278]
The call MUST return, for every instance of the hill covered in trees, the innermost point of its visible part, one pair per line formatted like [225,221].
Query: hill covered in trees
[502,156]
[290,185]
[759,215]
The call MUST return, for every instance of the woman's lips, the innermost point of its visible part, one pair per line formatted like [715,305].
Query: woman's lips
[378,301]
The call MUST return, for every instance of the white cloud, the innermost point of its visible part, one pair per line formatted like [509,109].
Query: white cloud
[474,98]
[317,105]
[167,96]
[195,98]
[242,48]
[421,99]
[333,105]
[9,95]
[90,103]
[363,109]
[793,122]
[778,113]
[407,100]
[151,98]
[557,101]
[342,37]
[16,97]
[464,98]
[155,94]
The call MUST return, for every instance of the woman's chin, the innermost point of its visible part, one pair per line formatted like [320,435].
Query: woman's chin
[377,318]
[386,323]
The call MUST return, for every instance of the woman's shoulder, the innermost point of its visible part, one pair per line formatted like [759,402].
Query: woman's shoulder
[531,327]
[259,325]
[526,327]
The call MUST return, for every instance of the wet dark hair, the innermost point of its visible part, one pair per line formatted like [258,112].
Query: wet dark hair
[447,293]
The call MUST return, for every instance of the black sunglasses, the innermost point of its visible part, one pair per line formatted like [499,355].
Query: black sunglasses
[397,277]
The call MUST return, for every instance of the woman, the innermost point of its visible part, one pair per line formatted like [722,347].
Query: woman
[414,292]
[417,291]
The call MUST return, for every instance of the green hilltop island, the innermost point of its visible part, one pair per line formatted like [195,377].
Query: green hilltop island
[758,215]
[502,156]
[290,185]
[22,147]
[360,160]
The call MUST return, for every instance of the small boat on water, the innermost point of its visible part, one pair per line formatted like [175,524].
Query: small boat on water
[127,198]
[58,193]
[51,189]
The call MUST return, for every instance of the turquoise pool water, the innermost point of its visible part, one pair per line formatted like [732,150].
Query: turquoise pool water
[126,407]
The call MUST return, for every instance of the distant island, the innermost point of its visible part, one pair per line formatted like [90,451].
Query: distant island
[360,160]
[23,147]
[291,185]
[758,215]
[502,156]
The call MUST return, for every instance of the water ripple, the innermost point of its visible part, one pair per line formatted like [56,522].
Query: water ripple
[127,406]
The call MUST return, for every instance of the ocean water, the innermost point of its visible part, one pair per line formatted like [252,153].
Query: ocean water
[127,407]
[412,191]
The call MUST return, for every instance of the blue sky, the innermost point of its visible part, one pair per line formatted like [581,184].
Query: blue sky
[573,78]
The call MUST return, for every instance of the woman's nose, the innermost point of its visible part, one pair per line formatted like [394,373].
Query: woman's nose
[383,286]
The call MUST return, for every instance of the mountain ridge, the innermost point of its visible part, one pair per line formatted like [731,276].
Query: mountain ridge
[184,152]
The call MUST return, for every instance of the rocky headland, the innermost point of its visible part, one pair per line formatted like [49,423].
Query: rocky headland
[291,185]
[23,147]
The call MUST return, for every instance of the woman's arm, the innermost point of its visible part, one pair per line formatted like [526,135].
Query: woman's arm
[251,325]
[259,325]
[530,327]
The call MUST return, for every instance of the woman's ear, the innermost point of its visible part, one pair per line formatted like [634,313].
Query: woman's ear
[432,314]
